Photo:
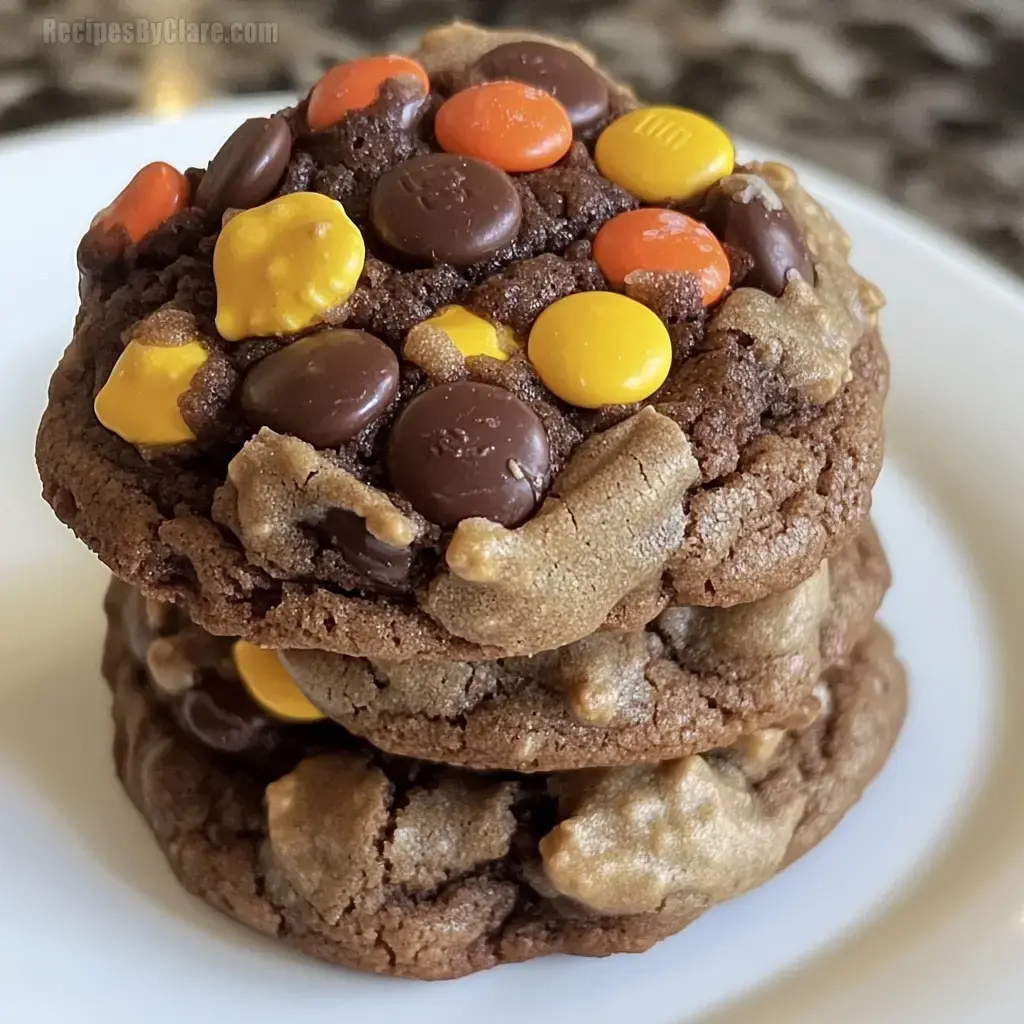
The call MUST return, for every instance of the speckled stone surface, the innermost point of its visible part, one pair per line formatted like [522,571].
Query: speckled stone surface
[920,99]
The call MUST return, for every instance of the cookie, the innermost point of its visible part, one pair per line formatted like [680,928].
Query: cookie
[501,475]
[693,679]
[399,867]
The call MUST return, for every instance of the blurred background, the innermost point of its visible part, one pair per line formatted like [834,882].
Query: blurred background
[922,100]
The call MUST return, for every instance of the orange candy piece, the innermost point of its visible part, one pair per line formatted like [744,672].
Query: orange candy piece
[662,240]
[155,194]
[508,124]
[355,85]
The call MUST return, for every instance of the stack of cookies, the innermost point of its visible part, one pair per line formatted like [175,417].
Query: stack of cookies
[484,461]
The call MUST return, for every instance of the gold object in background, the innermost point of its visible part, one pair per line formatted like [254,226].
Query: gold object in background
[172,80]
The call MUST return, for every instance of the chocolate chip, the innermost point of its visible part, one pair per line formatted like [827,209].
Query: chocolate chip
[248,167]
[574,83]
[376,560]
[462,450]
[444,208]
[745,213]
[323,388]
[221,715]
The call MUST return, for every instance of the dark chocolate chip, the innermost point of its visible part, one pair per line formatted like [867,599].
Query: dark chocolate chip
[571,80]
[462,450]
[376,560]
[221,715]
[248,167]
[443,208]
[323,388]
[746,214]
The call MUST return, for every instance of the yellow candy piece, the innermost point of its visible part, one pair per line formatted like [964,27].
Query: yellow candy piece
[139,401]
[270,684]
[279,267]
[600,348]
[661,153]
[472,335]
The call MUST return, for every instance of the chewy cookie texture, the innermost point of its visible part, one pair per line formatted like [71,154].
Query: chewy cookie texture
[484,460]
[592,366]
[693,679]
[403,867]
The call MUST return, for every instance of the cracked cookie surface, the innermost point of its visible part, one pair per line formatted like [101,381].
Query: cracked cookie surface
[694,678]
[761,446]
[399,867]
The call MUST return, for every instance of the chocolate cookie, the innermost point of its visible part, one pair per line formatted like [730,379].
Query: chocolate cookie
[397,867]
[694,678]
[745,457]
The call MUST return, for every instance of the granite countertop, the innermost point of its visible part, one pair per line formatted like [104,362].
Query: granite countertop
[920,99]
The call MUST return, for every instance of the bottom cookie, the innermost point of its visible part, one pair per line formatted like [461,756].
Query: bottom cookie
[401,867]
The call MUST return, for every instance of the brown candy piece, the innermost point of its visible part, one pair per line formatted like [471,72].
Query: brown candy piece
[222,716]
[570,79]
[745,212]
[280,488]
[248,167]
[467,450]
[443,208]
[376,560]
[323,388]
[614,516]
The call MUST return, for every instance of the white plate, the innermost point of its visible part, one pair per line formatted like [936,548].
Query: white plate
[912,910]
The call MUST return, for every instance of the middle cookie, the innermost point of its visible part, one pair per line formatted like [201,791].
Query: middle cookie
[694,679]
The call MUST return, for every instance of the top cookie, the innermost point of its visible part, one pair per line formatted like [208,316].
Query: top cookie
[465,356]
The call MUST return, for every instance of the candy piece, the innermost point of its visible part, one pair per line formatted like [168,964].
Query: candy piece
[375,559]
[570,79]
[168,325]
[747,213]
[172,665]
[279,490]
[323,388]
[463,450]
[600,348]
[221,715]
[472,335]
[281,266]
[638,836]
[514,126]
[270,684]
[248,167]
[446,209]
[614,515]
[665,240]
[356,84]
[435,354]
[154,195]
[139,401]
[660,153]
